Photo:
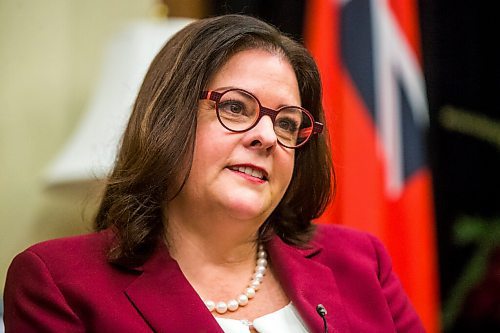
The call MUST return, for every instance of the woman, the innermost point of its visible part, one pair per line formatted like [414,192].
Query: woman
[205,225]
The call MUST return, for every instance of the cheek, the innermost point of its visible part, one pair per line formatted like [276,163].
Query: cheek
[207,132]
[210,151]
[285,167]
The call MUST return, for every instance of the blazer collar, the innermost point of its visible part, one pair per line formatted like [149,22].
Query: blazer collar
[308,282]
[166,300]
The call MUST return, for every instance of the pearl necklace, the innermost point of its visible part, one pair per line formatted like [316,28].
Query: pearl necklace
[249,293]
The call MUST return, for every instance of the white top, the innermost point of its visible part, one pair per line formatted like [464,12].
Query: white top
[285,320]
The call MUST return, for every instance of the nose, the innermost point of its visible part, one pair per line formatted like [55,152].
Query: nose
[262,135]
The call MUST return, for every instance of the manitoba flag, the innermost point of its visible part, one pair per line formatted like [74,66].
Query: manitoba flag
[374,95]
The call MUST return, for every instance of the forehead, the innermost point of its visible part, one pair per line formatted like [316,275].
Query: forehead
[262,72]
[250,57]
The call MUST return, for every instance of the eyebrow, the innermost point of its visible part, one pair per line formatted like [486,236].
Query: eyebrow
[220,89]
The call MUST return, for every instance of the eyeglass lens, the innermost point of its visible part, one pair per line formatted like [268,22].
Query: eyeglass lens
[239,111]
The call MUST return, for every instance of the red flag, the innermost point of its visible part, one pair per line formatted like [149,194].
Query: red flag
[374,96]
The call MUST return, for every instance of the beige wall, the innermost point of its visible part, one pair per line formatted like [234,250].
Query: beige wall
[50,53]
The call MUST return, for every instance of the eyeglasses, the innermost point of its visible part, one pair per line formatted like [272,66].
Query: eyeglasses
[239,111]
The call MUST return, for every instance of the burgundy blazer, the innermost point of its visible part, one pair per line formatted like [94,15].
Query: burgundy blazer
[66,285]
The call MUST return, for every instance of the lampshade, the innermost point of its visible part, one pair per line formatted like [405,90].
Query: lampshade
[90,153]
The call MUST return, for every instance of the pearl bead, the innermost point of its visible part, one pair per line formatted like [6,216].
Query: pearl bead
[250,292]
[260,269]
[221,307]
[262,262]
[258,276]
[210,305]
[232,305]
[262,254]
[246,322]
[254,284]
[242,300]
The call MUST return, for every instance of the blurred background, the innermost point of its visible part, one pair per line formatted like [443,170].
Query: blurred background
[52,58]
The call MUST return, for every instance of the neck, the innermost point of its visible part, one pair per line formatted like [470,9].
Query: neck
[219,240]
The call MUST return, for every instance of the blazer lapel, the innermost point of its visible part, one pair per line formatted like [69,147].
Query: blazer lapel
[308,283]
[166,300]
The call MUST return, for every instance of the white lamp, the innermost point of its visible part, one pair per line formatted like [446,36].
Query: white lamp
[90,153]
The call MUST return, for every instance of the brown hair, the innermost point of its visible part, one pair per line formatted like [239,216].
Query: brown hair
[157,147]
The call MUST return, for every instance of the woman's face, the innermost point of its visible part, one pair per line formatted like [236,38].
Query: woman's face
[243,175]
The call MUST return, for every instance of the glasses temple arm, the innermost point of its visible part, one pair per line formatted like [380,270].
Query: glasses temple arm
[210,95]
[317,127]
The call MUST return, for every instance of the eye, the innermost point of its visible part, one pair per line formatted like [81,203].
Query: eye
[287,124]
[232,106]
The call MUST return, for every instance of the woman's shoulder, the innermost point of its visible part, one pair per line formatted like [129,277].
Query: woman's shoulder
[85,242]
[331,234]
[64,253]
[343,243]
[359,257]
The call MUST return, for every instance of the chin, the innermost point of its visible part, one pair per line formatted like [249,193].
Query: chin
[249,210]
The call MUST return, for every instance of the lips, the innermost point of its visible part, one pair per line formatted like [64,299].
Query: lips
[250,170]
